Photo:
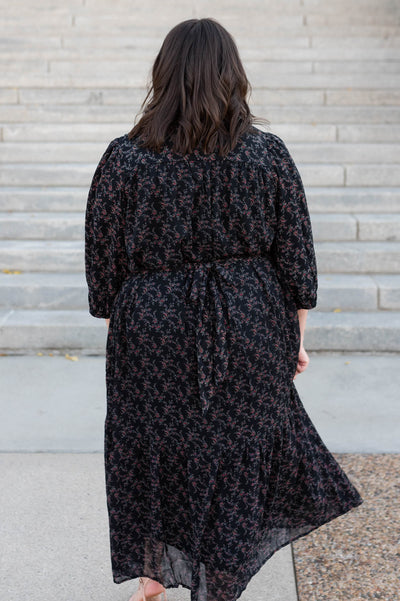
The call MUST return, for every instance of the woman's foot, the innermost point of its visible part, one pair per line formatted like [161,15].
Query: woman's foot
[148,589]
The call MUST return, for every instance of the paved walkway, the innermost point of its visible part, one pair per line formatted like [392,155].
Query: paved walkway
[54,532]
[59,404]
[53,509]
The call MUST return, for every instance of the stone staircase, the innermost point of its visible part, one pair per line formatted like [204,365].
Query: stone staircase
[326,75]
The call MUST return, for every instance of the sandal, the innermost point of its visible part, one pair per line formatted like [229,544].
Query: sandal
[139,595]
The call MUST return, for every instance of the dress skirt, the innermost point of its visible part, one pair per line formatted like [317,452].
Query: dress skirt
[201,495]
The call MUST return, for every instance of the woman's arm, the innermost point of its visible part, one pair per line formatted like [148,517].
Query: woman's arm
[108,322]
[293,244]
[303,359]
[106,258]
[302,313]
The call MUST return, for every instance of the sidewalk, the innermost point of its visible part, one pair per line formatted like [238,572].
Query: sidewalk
[59,405]
[53,506]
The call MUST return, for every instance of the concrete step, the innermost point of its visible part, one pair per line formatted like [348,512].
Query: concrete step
[279,51]
[344,153]
[311,152]
[333,257]
[44,291]
[371,174]
[86,21]
[355,66]
[46,174]
[347,29]
[36,198]
[361,39]
[58,66]
[363,97]
[348,200]
[313,174]
[42,226]
[356,331]
[354,292]
[362,17]
[336,53]
[358,257]
[83,76]
[26,331]
[101,133]
[32,330]
[42,255]
[365,38]
[368,133]
[66,132]
[306,6]
[320,199]
[114,67]
[93,21]
[318,6]
[50,291]
[260,97]
[326,227]
[388,291]
[146,44]
[368,227]
[378,227]
[290,132]
[292,114]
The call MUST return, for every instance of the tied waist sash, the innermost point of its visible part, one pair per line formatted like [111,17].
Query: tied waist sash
[204,291]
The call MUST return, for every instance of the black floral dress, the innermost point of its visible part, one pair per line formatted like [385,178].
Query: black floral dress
[211,462]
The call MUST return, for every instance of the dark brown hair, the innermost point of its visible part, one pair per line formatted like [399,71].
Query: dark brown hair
[197,97]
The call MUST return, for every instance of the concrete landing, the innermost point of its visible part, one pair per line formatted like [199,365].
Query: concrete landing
[55,404]
[54,534]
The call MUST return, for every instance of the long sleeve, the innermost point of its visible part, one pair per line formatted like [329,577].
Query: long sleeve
[293,245]
[106,261]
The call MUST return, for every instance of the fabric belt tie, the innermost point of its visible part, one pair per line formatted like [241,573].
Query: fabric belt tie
[204,290]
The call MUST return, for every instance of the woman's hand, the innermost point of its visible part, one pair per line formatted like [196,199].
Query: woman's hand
[303,361]
[108,322]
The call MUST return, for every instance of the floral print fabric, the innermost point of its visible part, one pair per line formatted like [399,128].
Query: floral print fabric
[211,462]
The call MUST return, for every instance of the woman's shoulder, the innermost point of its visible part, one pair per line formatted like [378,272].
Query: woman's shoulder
[262,147]
[265,139]
[134,152]
[128,151]
[254,146]
[123,142]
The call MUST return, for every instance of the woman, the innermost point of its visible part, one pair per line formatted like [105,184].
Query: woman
[199,251]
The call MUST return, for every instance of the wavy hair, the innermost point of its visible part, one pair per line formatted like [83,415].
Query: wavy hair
[197,96]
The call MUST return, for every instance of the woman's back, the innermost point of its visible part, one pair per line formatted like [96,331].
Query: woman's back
[166,209]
